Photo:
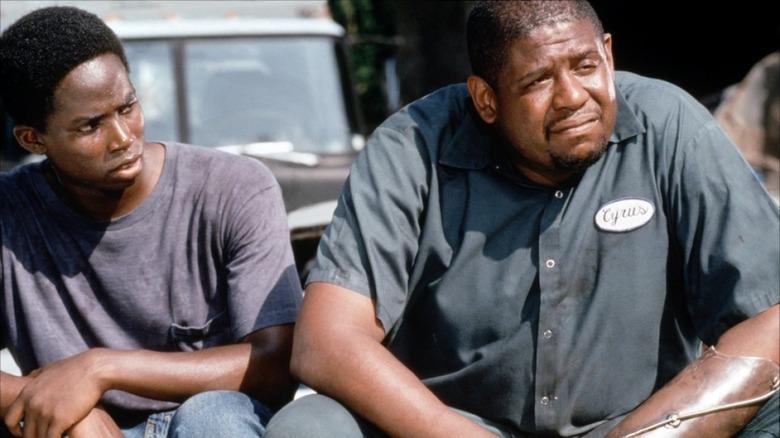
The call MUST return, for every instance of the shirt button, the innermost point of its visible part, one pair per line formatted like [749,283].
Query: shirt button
[545,401]
[558,194]
[550,263]
[547,334]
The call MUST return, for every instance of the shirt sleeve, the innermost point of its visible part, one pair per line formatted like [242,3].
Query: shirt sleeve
[263,284]
[372,241]
[727,228]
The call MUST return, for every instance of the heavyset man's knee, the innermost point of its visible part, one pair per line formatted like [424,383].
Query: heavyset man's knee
[766,423]
[314,416]
[220,413]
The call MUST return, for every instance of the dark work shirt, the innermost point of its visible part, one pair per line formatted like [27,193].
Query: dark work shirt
[554,309]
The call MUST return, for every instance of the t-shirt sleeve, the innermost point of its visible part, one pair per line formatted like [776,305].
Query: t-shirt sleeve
[263,284]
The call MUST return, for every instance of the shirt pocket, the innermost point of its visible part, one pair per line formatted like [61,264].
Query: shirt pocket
[192,338]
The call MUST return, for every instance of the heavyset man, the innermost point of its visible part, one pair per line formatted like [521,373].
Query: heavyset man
[545,250]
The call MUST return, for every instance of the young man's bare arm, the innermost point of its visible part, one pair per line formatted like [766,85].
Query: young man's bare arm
[65,391]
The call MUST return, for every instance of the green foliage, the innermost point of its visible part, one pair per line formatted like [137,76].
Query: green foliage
[371,32]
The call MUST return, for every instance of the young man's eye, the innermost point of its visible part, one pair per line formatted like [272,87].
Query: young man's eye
[88,127]
[127,109]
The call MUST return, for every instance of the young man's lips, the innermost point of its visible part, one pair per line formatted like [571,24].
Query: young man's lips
[130,162]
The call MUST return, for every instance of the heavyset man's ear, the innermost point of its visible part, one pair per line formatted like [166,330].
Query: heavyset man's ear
[483,97]
[608,50]
[29,139]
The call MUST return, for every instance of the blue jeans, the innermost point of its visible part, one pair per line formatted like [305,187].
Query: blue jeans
[318,416]
[212,414]
[209,414]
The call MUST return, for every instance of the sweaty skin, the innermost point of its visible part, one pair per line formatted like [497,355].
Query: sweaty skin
[555,106]
[95,141]
[554,103]
[557,102]
[101,167]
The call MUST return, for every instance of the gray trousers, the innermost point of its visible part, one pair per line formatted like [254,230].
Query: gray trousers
[318,416]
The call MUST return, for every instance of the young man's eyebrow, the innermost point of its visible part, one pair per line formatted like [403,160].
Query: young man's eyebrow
[91,118]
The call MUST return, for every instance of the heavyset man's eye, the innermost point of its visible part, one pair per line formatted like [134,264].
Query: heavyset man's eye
[587,66]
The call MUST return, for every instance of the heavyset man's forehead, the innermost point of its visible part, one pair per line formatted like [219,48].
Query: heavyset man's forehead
[531,55]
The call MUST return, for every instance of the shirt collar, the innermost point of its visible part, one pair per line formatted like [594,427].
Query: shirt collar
[472,146]
[627,124]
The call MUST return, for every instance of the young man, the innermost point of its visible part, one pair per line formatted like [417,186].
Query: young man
[148,289]
[540,252]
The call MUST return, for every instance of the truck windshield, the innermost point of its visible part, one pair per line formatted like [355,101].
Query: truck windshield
[282,92]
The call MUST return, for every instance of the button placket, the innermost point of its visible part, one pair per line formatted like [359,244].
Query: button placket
[549,311]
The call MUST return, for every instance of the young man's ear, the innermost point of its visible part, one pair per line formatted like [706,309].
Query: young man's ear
[29,139]
[483,97]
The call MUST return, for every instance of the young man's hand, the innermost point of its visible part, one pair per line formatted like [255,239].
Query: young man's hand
[96,424]
[56,397]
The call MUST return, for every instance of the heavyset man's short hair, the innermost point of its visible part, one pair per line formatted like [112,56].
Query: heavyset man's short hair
[494,25]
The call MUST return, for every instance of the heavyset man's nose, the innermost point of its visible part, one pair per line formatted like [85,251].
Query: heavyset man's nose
[569,92]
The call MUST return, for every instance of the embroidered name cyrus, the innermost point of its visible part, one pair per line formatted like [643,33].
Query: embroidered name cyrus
[624,215]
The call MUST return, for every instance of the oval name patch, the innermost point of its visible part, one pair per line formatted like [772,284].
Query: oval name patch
[624,215]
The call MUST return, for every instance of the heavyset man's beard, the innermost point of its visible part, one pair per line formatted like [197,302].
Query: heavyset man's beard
[570,163]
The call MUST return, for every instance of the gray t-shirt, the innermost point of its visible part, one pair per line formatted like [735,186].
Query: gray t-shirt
[204,261]
[553,309]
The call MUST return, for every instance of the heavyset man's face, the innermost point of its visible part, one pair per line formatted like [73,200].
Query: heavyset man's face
[556,104]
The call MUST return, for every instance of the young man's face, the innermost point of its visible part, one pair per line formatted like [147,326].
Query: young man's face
[555,102]
[94,137]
